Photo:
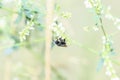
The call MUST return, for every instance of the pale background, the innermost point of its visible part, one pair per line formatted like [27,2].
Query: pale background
[73,62]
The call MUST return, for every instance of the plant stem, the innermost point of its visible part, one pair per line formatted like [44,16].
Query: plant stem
[49,17]
[102,27]
[9,10]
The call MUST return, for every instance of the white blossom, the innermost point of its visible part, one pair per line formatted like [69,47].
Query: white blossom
[108,73]
[53,24]
[31,28]
[87,4]
[117,20]
[96,28]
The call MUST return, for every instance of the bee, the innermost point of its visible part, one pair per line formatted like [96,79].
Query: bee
[60,42]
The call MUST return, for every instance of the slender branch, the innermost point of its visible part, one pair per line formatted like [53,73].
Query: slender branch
[9,10]
[102,27]
[98,14]
[49,16]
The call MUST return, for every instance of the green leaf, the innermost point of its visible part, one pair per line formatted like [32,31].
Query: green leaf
[1,5]
[19,17]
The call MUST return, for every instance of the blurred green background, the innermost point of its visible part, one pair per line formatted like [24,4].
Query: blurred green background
[26,61]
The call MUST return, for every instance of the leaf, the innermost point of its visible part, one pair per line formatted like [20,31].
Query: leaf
[19,17]
[100,64]
[1,5]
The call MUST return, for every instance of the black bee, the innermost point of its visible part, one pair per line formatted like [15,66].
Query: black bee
[61,42]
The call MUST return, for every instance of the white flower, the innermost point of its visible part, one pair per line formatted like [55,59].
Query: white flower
[96,28]
[117,20]
[31,28]
[53,24]
[87,4]
[108,73]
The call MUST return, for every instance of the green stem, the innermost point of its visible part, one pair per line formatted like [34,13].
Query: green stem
[9,10]
[102,27]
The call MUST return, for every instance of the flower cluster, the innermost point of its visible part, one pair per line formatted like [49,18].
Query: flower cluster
[32,18]
[95,5]
[109,16]
[109,69]
[89,28]
[59,33]
[26,31]
[107,51]
[108,46]
[97,8]
[87,4]
[57,28]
